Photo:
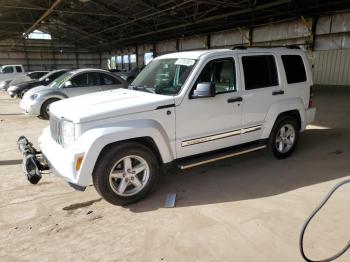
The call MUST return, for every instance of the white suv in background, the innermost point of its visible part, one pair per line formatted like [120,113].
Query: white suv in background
[187,108]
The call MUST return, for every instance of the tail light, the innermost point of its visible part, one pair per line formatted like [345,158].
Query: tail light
[311,103]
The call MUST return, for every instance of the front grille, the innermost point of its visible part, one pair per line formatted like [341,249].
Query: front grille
[56,129]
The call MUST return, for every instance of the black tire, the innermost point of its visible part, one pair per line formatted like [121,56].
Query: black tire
[109,158]
[280,122]
[44,108]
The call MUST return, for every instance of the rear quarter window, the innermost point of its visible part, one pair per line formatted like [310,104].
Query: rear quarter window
[259,71]
[294,68]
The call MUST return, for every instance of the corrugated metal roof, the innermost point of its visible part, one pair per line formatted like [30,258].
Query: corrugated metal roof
[105,24]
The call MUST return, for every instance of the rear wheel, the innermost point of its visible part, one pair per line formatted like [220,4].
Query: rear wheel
[45,108]
[126,173]
[284,137]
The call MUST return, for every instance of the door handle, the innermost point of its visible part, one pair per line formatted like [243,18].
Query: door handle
[234,99]
[278,92]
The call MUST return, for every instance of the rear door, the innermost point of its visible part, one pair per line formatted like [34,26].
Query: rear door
[95,83]
[261,88]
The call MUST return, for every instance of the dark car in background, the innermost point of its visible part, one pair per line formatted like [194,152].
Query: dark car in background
[20,89]
[129,76]
[34,75]
[24,78]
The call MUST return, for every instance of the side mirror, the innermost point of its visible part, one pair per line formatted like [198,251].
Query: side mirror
[68,84]
[205,89]
[47,79]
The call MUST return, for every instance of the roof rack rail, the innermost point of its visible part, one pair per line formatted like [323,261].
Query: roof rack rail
[242,47]
[239,47]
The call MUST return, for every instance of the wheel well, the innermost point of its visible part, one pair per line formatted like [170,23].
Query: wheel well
[293,114]
[50,99]
[146,141]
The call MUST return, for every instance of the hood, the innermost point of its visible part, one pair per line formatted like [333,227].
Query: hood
[38,90]
[23,85]
[108,104]
[21,79]
[6,77]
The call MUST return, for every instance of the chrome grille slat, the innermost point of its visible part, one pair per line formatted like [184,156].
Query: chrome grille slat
[56,129]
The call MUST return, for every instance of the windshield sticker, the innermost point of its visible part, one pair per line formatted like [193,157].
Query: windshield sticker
[185,62]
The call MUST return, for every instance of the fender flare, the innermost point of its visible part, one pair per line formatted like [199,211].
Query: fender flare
[96,139]
[58,96]
[280,107]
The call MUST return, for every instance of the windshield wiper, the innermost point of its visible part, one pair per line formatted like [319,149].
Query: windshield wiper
[141,88]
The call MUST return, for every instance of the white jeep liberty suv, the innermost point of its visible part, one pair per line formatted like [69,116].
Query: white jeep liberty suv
[187,108]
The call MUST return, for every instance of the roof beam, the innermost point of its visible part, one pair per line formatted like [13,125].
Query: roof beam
[61,11]
[46,14]
[208,19]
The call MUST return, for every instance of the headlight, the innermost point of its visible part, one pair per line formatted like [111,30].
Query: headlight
[33,96]
[12,88]
[68,130]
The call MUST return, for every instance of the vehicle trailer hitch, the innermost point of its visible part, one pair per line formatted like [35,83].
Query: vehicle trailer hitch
[33,160]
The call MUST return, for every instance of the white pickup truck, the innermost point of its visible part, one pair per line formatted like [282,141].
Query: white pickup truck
[10,72]
[187,108]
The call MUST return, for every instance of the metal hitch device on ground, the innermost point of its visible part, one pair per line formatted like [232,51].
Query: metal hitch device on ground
[33,161]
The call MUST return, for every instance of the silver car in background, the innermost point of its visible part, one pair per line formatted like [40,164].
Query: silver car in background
[36,101]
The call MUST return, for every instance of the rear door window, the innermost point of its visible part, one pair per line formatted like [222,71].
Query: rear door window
[109,80]
[294,68]
[94,79]
[19,69]
[259,71]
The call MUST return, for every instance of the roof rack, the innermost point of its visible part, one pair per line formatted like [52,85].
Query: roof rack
[242,47]
[239,47]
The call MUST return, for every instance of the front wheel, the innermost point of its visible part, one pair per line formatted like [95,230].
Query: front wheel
[45,108]
[125,173]
[284,137]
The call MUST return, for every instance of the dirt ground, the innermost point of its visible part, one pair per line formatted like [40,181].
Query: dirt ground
[249,208]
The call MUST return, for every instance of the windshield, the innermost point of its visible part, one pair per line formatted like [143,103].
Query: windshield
[60,80]
[45,76]
[164,76]
[6,69]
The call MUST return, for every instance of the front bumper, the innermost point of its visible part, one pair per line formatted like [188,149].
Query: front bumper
[62,161]
[30,108]
[52,157]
